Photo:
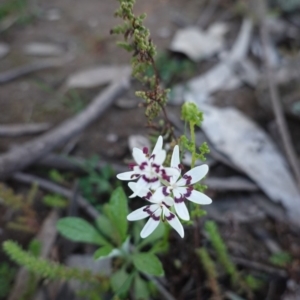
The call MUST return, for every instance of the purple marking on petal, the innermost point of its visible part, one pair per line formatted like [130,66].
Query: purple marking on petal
[149,180]
[180,166]
[170,217]
[148,196]
[147,210]
[152,156]
[165,191]
[143,165]
[131,166]
[188,179]
[164,175]
[154,217]
[156,167]
[145,150]
[179,200]
[188,191]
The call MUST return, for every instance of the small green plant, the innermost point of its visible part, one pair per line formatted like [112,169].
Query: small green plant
[172,69]
[221,251]
[281,259]
[26,219]
[7,274]
[96,182]
[44,268]
[56,201]
[211,272]
[56,176]
[111,234]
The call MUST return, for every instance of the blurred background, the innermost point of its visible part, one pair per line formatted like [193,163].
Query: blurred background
[237,60]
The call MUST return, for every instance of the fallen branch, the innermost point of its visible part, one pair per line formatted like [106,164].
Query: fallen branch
[23,156]
[12,74]
[14,130]
[74,164]
[57,189]
[280,119]
[259,266]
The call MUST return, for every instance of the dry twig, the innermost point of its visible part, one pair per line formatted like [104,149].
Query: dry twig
[14,130]
[21,157]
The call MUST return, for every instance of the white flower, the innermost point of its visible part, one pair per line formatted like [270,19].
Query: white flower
[181,189]
[148,169]
[157,211]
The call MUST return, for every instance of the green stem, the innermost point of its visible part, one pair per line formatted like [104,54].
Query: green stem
[193,140]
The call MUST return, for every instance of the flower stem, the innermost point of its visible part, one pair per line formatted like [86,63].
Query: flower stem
[193,140]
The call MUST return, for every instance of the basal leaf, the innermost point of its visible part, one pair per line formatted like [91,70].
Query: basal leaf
[148,263]
[118,211]
[79,230]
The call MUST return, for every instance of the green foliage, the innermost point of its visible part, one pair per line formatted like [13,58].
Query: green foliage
[194,117]
[137,41]
[221,251]
[210,271]
[140,288]
[45,268]
[120,282]
[191,114]
[16,7]
[253,283]
[281,259]
[79,230]
[56,176]
[96,182]
[54,200]
[117,210]
[7,274]
[103,252]
[25,220]
[148,263]
[172,69]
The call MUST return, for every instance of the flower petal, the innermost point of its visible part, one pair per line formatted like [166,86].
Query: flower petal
[152,223]
[193,176]
[127,175]
[175,160]
[160,157]
[173,221]
[143,192]
[199,198]
[158,145]
[182,211]
[161,193]
[138,156]
[168,201]
[173,174]
[142,212]
[140,185]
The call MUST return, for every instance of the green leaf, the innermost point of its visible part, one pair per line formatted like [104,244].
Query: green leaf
[106,227]
[148,263]
[103,252]
[79,230]
[117,212]
[120,282]
[141,291]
